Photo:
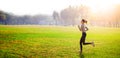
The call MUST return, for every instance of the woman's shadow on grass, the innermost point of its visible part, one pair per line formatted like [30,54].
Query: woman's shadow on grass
[81,56]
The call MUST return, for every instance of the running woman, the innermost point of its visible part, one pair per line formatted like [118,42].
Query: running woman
[83,29]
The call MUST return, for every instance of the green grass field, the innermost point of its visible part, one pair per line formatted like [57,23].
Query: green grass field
[57,42]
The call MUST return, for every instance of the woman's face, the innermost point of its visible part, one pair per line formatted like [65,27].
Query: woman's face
[82,22]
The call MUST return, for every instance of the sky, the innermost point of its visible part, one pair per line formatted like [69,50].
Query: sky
[34,7]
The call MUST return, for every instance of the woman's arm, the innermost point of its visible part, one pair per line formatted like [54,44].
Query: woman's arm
[79,28]
[86,28]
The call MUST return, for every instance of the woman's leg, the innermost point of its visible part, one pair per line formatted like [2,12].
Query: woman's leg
[81,41]
[84,37]
[81,45]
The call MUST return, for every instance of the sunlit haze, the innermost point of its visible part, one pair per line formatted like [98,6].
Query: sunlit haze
[101,5]
[33,7]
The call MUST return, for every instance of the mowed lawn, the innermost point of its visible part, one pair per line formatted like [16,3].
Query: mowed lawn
[34,41]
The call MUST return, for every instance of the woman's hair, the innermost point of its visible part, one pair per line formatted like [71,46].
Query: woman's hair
[83,20]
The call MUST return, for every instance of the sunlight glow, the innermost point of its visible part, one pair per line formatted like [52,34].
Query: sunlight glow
[101,5]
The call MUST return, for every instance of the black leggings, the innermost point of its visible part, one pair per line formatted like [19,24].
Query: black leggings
[82,41]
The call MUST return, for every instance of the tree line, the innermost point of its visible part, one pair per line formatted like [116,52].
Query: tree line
[11,19]
[68,16]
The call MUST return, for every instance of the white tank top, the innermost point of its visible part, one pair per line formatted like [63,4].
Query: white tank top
[83,27]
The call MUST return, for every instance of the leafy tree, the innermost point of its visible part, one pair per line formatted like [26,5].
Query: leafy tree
[56,17]
[2,17]
[69,15]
